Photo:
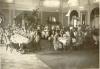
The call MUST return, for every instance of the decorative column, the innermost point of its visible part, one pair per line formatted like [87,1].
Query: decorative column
[89,13]
[88,22]
[68,16]
[68,20]
[61,10]
[23,22]
[41,11]
[80,17]
[13,13]
[10,12]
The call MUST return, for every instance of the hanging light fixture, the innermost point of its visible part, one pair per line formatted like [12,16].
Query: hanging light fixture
[9,1]
[51,3]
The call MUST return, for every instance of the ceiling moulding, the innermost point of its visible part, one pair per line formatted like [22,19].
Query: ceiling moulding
[23,5]
[26,5]
[24,8]
[51,10]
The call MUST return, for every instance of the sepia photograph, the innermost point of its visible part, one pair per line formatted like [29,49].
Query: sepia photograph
[49,34]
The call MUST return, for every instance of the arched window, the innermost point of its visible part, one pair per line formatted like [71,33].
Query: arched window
[74,18]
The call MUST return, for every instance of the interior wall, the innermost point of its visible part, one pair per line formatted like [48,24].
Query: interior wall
[18,12]
[65,19]
[5,14]
[47,14]
[8,16]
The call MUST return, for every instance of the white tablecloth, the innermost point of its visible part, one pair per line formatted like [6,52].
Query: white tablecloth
[19,39]
[63,40]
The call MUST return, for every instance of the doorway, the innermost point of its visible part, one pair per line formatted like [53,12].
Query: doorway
[74,18]
[94,18]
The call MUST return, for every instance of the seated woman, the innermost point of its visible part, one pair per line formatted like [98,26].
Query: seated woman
[56,43]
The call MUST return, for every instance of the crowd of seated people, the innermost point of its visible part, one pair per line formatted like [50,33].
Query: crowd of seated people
[60,37]
[63,37]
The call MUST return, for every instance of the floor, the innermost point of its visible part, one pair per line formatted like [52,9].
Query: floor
[16,60]
[49,59]
[70,59]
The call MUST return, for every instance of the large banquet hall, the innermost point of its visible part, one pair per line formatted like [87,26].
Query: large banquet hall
[49,34]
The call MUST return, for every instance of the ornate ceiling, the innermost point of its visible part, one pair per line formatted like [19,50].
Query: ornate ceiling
[49,5]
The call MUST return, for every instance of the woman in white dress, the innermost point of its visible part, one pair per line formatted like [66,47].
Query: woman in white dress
[56,43]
